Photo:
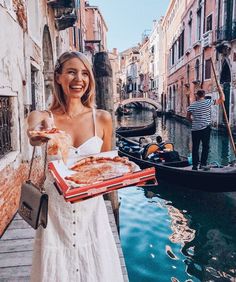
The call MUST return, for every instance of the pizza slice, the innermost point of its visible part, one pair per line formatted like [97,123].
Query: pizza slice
[58,141]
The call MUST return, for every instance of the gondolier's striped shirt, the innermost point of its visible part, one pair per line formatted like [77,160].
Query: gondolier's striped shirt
[201,113]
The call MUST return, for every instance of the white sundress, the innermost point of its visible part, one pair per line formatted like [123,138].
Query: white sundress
[78,244]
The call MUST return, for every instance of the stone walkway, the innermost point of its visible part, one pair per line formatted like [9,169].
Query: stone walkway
[16,247]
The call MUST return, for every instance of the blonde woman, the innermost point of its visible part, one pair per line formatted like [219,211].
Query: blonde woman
[77,245]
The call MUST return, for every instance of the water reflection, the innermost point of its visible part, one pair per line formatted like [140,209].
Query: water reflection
[205,226]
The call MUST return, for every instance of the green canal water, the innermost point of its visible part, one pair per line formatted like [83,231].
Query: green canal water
[170,234]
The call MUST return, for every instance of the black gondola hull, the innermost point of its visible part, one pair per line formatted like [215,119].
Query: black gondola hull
[214,180]
[137,131]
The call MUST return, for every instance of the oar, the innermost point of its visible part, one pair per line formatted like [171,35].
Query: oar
[220,90]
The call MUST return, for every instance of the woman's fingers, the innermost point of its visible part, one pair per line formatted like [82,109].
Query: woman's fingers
[39,139]
[48,123]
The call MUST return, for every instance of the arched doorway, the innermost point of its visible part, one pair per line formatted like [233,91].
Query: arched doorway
[225,79]
[47,67]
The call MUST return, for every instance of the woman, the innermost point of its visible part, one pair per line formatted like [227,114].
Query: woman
[77,244]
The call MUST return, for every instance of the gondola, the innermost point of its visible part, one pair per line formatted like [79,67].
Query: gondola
[180,173]
[124,111]
[133,131]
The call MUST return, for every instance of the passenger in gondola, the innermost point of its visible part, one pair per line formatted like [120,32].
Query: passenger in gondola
[143,141]
[160,142]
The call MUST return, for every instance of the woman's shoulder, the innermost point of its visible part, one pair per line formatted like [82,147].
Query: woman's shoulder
[103,115]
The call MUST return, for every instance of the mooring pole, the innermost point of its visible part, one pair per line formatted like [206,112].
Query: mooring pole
[220,90]
[105,101]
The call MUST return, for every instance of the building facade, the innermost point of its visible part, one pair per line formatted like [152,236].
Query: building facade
[225,43]
[154,62]
[199,36]
[39,32]
[32,38]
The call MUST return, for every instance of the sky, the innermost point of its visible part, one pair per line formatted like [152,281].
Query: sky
[127,20]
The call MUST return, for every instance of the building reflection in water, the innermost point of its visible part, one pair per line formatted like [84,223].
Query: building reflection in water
[206,237]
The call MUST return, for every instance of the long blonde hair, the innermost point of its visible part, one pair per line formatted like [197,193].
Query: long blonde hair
[59,98]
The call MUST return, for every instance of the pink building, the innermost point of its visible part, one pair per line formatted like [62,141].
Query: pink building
[190,58]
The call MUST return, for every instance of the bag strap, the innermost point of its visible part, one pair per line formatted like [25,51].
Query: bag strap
[44,168]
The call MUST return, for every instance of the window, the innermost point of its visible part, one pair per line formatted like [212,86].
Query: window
[209,23]
[190,30]
[208,69]
[197,70]
[181,45]
[74,37]
[5,126]
[172,55]
[34,85]
[153,84]
[199,23]
[188,73]
[80,40]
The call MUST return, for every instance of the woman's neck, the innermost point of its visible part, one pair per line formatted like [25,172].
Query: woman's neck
[74,109]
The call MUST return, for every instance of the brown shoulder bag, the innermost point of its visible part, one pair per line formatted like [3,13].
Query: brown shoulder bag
[33,206]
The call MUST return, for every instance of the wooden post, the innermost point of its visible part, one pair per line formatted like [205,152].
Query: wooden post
[220,90]
[105,101]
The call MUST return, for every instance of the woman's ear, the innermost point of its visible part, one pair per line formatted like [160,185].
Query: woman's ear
[58,78]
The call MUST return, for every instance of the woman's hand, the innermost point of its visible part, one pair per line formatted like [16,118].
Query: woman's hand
[39,121]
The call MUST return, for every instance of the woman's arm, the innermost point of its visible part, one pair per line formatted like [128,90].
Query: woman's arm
[105,123]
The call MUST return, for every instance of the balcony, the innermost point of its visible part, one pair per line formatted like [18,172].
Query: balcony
[65,21]
[64,12]
[223,34]
[61,3]
[207,39]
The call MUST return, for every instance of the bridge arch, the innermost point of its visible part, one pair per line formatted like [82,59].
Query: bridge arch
[133,100]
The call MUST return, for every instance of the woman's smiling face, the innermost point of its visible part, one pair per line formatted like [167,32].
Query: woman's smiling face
[74,78]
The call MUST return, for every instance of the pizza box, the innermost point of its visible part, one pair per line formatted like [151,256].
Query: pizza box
[73,192]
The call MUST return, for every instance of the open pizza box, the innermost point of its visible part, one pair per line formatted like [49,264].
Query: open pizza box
[73,192]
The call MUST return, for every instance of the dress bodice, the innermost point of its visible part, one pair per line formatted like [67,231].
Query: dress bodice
[91,146]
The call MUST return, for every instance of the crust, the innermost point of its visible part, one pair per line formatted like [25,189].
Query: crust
[44,133]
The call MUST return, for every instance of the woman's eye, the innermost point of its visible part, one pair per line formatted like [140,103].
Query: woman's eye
[71,72]
[85,74]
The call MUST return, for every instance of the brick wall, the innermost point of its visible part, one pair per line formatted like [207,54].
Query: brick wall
[10,183]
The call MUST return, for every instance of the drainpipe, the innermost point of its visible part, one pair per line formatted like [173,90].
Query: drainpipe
[203,31]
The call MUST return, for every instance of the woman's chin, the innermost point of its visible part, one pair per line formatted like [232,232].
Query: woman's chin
[76,95]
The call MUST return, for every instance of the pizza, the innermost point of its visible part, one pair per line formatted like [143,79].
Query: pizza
[58,140]
[97,169]
[44,133]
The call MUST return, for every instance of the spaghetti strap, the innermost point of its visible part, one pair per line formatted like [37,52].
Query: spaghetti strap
[50,115]
[94,122]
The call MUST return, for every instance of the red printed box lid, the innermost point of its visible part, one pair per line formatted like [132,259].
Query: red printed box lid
[75,192]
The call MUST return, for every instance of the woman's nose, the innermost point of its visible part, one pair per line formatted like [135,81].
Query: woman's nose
[78,76]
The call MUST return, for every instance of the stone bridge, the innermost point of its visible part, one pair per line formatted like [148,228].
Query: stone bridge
[133,100]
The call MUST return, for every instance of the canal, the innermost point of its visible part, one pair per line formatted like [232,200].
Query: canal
[178,235]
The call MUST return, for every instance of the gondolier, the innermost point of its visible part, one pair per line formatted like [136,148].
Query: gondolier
[199,113]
